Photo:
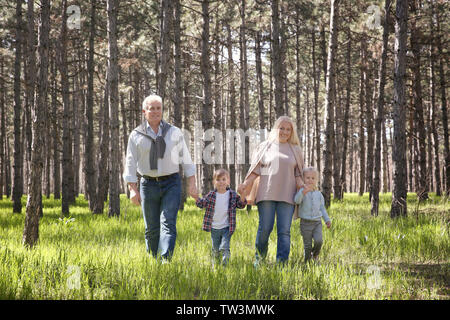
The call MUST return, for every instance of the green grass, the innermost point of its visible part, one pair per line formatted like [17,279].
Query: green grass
[363,257]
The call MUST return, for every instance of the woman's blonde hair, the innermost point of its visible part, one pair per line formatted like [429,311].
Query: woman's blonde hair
[273,135]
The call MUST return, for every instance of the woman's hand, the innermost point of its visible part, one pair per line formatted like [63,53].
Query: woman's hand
[242,187]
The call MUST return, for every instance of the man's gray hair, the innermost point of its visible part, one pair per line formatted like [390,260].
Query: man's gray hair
[149,99]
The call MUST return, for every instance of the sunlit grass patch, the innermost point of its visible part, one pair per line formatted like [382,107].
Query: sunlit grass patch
[86,256]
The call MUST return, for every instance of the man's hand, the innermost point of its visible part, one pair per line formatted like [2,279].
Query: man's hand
[192,188]
[135,197]
[328,224]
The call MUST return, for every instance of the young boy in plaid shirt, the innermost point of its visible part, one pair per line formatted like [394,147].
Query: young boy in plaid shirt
[220,214]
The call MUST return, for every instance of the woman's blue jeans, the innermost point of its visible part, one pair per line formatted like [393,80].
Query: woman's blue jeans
[160,202]
[267,211]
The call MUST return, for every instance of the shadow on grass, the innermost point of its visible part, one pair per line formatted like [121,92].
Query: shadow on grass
[433,275]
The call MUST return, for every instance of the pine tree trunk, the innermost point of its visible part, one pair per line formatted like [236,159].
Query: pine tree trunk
[329,103]
[231,100]
[103,161]
[443,106]
[178,92]
[113,85]
[369,126]
[346,118]
[55,136]
[17,188]
[398,207]
[432,57]
[67,158]
[277,59]
[380,113]
[76,135]
[2,130]
[207,101]
[30,76]
[362,148]
[386,180]
[422,188]
[31,229]
[166,25]
[316,81]
[259,80]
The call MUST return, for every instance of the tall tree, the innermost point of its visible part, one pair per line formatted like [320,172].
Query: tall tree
[416,48]
[342,184]
[55,136]
[31,230]
[380,112]
[17,188]
[443,104]
[329,102]
[362,148]
[205,68]
[316,84]
[277,59]
[166,26]
[113,86]
[89,167]
[67,159]
[432,58]
[103,162]
[398,206]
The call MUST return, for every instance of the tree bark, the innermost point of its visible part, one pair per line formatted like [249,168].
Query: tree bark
[17,188]
[398,206]
[67,159]
[380,113]
[329,102]
[89,166]
[207,101]
[346,117]
[166,26]
[55,136]
[443,106]
[113,86]
[362,149]
[31,229]
[421,166]
[432,58]
[316,82]
[103,162]
[277,60]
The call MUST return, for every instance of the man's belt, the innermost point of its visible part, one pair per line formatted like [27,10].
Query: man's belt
[161,178]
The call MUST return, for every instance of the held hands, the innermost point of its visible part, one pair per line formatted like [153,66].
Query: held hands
[242,188]
[192,188]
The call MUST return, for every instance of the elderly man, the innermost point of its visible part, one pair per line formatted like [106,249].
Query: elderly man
[155,150]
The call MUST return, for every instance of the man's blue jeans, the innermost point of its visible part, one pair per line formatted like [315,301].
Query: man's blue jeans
[160,204]
[267,211]
[221,244]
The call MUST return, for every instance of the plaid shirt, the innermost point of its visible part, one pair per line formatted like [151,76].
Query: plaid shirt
[209,203]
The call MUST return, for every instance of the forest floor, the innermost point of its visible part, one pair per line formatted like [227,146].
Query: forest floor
[86,256]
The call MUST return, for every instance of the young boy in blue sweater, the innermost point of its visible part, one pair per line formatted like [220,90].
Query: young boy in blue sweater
[311,210]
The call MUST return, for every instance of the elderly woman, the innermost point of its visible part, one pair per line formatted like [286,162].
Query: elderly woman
[274,177]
